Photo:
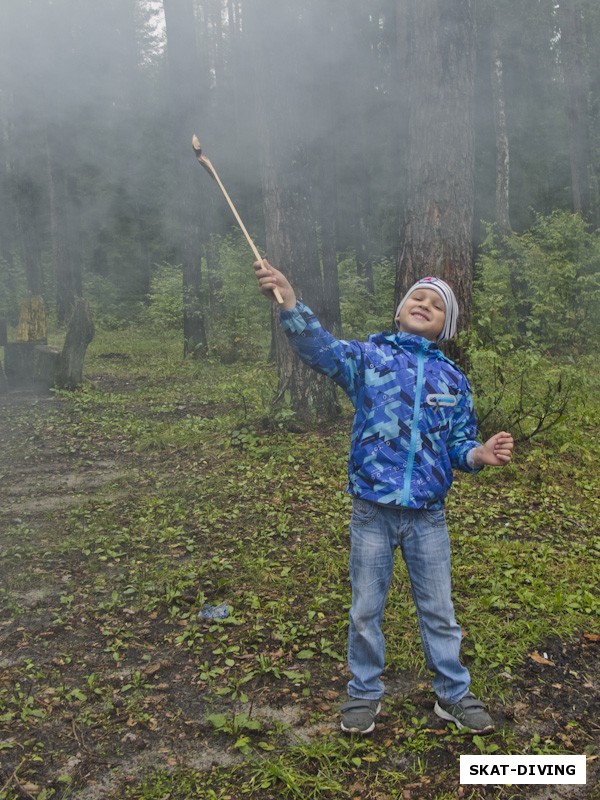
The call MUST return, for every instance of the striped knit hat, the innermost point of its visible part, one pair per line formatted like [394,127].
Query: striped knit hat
[447,295]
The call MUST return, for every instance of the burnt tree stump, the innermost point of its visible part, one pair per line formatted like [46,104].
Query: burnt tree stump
[69,369]
[45,364]
[19,356]
[29,363]
[18,364]
[32,321]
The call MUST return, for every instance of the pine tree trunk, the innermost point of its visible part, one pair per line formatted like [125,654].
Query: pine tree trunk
[67,263]
[502,145]
[28,203]
[291,242]
[289,215]
[440,192]
[326,177]
[577,88]
[187,209]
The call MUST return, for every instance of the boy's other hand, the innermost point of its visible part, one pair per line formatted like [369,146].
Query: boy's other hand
[496,452]
[268,278]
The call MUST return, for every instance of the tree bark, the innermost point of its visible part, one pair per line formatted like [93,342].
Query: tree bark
[69,373]
[185,100]
[440,194]
[63,227]
[28,204]
[577,89]
[502,144]
[289,214]
[325,173]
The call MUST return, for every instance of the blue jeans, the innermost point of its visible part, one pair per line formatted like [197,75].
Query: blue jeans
[375,533]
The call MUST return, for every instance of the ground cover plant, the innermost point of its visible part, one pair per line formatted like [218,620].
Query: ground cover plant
[163,486]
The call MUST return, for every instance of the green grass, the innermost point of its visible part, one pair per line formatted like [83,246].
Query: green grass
[220,504]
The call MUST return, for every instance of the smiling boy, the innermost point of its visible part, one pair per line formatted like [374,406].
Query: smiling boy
[414,423]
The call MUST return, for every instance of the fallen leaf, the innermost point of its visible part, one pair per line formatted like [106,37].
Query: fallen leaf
[535,656]
[592,637]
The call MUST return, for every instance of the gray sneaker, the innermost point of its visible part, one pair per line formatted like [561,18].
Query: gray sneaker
[358,716]
[469,713]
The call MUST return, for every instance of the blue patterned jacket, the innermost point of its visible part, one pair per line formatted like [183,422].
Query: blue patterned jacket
[414,418]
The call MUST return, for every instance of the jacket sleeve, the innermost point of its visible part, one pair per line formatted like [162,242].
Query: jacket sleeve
[338,359]
[463,437]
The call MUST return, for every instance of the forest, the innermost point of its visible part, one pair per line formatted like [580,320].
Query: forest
[200,464]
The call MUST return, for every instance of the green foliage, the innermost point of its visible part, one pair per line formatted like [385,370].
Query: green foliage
[536,316]
[165,299]
[111,310]
[529,394]
[362,312]
[237,315]
[540,288]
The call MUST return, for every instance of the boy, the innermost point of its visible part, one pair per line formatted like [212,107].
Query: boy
[414,422]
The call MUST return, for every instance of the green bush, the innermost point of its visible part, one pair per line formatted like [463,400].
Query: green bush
[530,394]
[236,313]
[541,288]
[111,310]
[165,299]
[362,312]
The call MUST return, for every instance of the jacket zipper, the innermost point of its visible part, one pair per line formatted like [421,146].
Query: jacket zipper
[414,431]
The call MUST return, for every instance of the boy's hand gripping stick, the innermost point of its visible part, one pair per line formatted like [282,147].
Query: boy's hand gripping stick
[204,161]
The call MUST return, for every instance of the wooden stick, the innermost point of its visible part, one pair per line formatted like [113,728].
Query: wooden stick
[205,162]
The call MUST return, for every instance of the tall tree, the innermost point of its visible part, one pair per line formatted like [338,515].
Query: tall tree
[577,86]
[501,130]
[185,102]
[290,218]
[439,207]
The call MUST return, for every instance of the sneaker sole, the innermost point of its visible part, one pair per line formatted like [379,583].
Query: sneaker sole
[370,729]
[446,715]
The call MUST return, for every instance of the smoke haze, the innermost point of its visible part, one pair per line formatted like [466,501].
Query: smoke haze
[99,102]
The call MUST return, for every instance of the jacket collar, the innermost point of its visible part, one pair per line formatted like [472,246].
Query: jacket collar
[405,341]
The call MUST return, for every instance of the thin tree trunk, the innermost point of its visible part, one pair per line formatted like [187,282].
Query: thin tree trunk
[326,179]
[185,104]
[577,87]
[327,203]
[62,231]
[502,145]
[27,212]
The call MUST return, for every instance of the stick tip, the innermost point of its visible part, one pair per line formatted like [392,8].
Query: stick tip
[196,145]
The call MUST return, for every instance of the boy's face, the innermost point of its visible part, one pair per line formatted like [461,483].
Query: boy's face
[423,314]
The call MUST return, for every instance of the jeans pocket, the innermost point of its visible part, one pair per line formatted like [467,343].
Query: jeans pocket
[435,517]
[364,511]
